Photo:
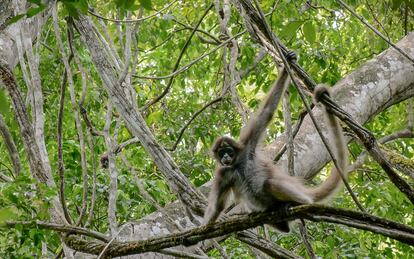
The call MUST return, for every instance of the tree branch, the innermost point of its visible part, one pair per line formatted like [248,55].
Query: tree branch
[318,213]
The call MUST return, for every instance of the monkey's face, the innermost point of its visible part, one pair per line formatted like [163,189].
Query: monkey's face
[227,155]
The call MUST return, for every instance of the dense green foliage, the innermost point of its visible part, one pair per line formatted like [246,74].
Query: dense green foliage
[330,42]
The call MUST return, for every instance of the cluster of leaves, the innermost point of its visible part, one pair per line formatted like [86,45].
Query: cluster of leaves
[24,200]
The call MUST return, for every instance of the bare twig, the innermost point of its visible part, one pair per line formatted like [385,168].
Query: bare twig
[110,241]
[61,164]
[231,74]
[376,19]
[305,238]
[187,66]
[113,174]
[91,144]
[76,116]
[124,144]
[11,147]
[215,40]
[4,177]
[177,63]
[268,247]
[180,135]
[288,131]
[183,254]
[295,131]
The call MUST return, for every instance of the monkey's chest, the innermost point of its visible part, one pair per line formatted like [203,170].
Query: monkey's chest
[249,187]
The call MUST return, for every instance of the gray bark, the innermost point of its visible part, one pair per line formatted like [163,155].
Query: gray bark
[8,48]
[135,122]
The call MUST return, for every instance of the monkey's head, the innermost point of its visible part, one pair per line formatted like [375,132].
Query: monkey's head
[226,150]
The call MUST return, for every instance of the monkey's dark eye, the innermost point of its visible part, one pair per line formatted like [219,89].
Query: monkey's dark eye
[228,150]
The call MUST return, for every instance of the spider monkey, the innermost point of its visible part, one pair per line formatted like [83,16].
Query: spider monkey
[243,169]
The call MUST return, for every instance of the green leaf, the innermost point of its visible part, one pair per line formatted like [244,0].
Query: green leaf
[154,117]
[396,4]
[310,32]
[4,104]
[146,4]
[35,10]
[6,214]
[38,2]
[14,19]
[410,4]
[71,9]
[81,6]
[290,30]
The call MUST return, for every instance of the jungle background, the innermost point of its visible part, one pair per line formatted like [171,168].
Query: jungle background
[108,110]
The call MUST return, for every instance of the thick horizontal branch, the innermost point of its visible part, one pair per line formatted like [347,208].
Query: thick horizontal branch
[236,223]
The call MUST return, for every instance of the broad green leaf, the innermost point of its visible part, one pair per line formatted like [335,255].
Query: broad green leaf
[81,6]
[15,19]
[33,11]
[154,117]
[309,32]
[7,214]
[146,4]
[289,31]
[71,9]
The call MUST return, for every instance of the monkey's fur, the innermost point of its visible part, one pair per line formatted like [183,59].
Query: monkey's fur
[243,169]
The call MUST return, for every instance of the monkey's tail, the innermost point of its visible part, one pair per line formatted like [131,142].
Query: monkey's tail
[334,181]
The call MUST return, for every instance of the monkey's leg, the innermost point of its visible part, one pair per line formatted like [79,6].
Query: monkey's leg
[288,189]
[216,204]
[282,226]
[219,193]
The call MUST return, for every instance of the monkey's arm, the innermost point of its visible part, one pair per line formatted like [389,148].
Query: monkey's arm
[218,194]
[251,134]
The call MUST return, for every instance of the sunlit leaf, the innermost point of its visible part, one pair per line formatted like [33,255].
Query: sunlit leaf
[33,11]
[289,31]
[7,214]
[309,32]
[146,4]
[15,19]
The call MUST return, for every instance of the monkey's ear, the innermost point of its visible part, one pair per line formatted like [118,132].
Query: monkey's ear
[216,145]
